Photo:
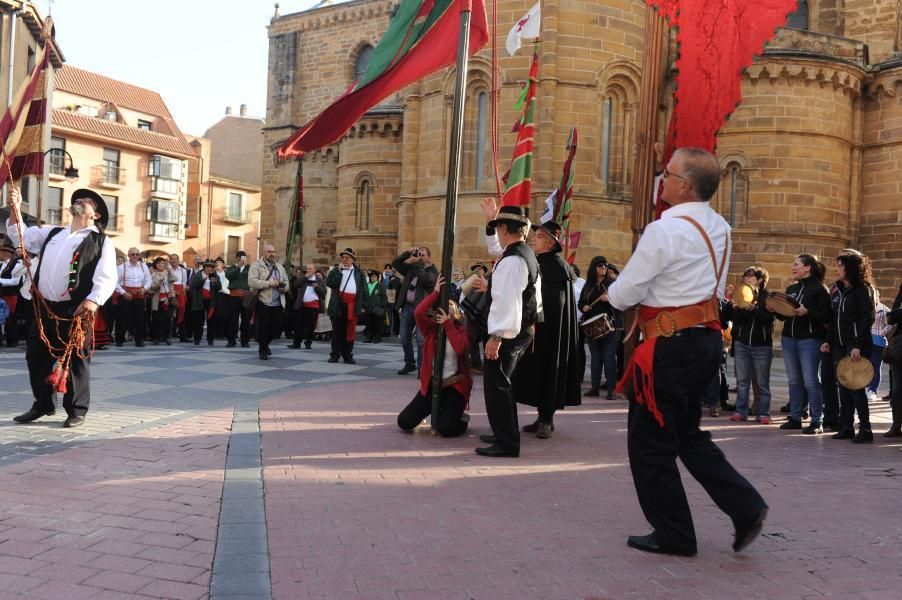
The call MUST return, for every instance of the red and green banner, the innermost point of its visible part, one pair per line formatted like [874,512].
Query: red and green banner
[519,177]
[421,39]
[562,199]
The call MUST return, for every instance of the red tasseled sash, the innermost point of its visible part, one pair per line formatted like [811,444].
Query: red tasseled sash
[640,370]
[350,300]
[181,301]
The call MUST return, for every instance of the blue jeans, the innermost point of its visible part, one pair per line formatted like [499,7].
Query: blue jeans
[752,361]
[604,355]
[877,361]
[802,359]
[409,331]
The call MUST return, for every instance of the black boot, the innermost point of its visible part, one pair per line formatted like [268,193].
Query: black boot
[895,430]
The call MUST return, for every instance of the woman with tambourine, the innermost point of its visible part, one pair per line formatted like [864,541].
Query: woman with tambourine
[804,330]
[593,302]
[753,344]
[850,336]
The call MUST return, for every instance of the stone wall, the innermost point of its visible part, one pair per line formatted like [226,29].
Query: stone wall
[876,23]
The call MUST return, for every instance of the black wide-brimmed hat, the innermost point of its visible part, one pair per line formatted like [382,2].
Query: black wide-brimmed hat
[208,263]
[349,252]
[510,214]
[553,229]
[102,209]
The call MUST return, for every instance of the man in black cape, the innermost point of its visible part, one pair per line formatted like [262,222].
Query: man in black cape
[548,376]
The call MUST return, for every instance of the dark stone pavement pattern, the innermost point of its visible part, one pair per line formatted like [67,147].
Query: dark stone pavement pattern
[162,494]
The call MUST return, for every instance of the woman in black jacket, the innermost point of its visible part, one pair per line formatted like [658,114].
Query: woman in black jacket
[803,335]
[895,370]
[593,301]
[850,335]
[753,345]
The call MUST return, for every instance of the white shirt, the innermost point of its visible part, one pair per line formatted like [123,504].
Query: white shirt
[348,283]
[181,275]
[509,278]
[671,265]
[224,281]
[132,275]
[54,280]
[578,286]
[309,292]
[15,276]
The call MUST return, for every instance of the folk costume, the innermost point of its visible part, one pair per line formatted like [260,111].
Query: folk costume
[374,304]
[201,309]
[270,304]
[348,287]
[676,276]
[180,287]
[547,375]
[309,295]
[162,304]
[74,266]
[223,305]
[11,274]
[132,279]
[456,381]
[514,301]
[239,326]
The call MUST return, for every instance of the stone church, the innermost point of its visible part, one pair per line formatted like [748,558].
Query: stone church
[811,158]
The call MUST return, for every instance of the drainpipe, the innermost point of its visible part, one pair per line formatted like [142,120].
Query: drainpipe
[12,61]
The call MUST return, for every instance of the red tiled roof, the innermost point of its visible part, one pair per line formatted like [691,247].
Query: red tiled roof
[123,133]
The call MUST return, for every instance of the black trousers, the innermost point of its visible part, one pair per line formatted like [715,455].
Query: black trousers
[239,321]
[374,326]
[196,320]
[341,347]
[269,324]
[684,366]
[305,325]
[450,412]
[500,403]
[851,401]
[895,372]
[131,317]
[829,390]
[40,363]
[161,322]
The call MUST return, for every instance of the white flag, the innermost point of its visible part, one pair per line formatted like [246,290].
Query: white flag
[527,27]
[549,208]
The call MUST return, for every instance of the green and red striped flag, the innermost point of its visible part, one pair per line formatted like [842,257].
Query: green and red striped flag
[519,177]
[421,39]
[562,201]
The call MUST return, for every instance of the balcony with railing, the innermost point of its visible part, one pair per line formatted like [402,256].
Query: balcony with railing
[237,216]
[108,176]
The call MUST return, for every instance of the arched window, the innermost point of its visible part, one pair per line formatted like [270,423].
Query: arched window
[799,19]
[363,61]
[482,145]
[363,210]
[617,133]
[733,193]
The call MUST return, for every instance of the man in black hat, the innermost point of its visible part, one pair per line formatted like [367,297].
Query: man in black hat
[547,376]
[514,302]
[348,287]
[76,274]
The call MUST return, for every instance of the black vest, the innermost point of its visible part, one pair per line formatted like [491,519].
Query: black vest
[530,304]
[10,290]
[88,258]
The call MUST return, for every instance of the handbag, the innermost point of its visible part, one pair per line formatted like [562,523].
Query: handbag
[892,352]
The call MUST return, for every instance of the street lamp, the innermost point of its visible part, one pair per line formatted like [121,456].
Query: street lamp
[70,172]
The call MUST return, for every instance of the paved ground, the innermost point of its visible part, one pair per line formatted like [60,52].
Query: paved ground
[162,495]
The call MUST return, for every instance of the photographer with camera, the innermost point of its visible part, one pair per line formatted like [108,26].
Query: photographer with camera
[269,281]
[420,276]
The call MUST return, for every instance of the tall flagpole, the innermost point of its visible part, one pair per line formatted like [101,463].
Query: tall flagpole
[451,198]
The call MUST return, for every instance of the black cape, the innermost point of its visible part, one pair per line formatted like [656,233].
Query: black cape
[549,370]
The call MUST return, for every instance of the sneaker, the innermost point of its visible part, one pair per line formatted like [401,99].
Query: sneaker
[813,429]
[736,417]
[872,396]
[764,420]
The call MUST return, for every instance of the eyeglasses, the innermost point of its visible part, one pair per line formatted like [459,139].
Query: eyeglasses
[668,174]
[133,254]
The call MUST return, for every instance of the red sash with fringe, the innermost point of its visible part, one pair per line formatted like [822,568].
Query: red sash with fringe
[351,301]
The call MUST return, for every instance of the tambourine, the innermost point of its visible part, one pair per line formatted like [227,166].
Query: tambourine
[854,374]
[745,296]
[782,304]
[598,326]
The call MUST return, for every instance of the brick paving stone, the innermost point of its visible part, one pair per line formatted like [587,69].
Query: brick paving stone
[346,491]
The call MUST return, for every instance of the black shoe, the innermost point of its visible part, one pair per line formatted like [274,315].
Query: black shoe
[747,533]
[813,430]
[308,345]
[785,408]
[407,369]
[333,359]
[168,342]
[118,344]
[245,345]
[139,344]
[865,436]
[649,543]
[610,396]
[843,434]
[74,421]
[294,346]
[592,393]
[496,451]
[350,361]
[231,345]
[368,340]
[264,356]
[31,415]
[488,438]
[156,342]
[209,342]
[197,343]
[894,431]
[791,424]
[531,428]
[545,431]
[268,351]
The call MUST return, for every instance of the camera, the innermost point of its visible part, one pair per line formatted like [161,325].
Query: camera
[415,253]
